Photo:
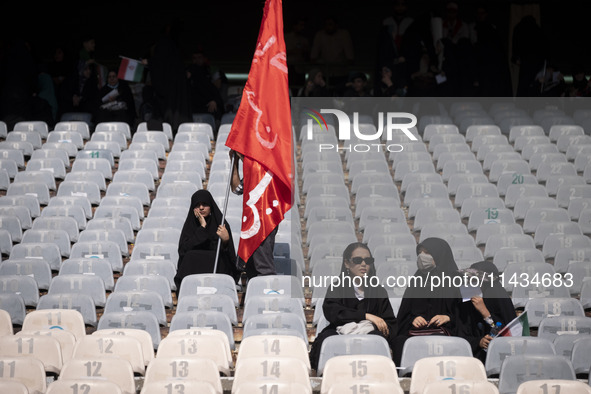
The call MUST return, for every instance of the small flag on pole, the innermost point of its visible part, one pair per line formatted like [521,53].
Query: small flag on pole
[130,70]
[518,327]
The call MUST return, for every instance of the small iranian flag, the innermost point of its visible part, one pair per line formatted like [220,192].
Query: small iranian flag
[130,70]
[518,327]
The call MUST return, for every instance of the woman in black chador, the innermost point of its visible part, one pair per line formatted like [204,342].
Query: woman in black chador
[367,305]
[199,240]
[481,313]
[425,306]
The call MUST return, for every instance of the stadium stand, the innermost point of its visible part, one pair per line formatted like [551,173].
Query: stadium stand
[90,220]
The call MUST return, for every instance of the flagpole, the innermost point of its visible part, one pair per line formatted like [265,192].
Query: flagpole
[217,253]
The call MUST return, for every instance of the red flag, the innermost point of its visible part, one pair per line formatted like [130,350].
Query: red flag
[261,131]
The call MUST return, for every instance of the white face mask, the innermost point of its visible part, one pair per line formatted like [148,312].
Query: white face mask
[425,262]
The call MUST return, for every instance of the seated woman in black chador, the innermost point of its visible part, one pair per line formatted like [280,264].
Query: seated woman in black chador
[368,304]
[425,306]
[199,240]
[481,313]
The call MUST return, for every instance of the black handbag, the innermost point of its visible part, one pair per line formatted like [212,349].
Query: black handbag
[421,332]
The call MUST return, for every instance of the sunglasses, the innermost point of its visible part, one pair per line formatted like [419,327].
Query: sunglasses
[359,260]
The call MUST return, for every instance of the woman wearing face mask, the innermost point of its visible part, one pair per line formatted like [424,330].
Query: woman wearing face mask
[199,239]
[353,309]
[425,306]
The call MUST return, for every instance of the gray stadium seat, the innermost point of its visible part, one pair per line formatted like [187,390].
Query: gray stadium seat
[137,300]
[538,308]
[107,250]
[415,348]
[79,283]
[81,302]
[522,368]
[136,320]
[24,285]
[89,266]
[156,283]
[502,347]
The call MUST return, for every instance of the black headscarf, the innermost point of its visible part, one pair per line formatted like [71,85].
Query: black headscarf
[445,264]
[495,297]
[348,291]
[426,301]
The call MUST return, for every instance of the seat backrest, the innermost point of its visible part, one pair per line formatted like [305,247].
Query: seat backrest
[522,368]
[197,284]
[158,284]
[143,300]
[68,319]
[219,302]
[273,345]
[433,369]
[484,232]
[417,190]
[81,302]
[199,346]
[90,386]
[142,336]
[117,211]
[5,322]
[497,242]
[13,305]
[564,256]
[75,211]
[548,228]
[65,338]
[516,191]
[39,269]
[538,308]
[42,347]
[87,189]
[539,386]
[19,212]
[502,347]
[180,385]
[275,284]
[114,369]
[467,386]
[183,369]
[119,346]
[13,386]
[416,348]
[340,345]
[164,268]
[551,327]
[34,188]
[428,215]
[24,285]
[27,370]
[523,204]
[142,320]
[80,283]
[353,368]
[271,369]
[204,319]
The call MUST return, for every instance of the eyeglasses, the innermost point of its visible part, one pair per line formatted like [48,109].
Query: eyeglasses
[359,260]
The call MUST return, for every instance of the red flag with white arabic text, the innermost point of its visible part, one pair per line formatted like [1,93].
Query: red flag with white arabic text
[261,131]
